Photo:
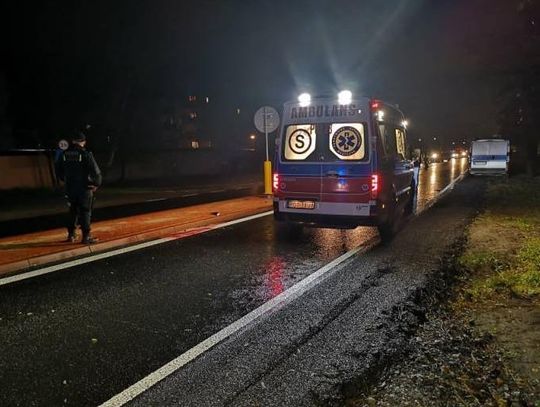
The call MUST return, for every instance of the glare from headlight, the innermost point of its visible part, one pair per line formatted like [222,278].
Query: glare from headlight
[345,97]
[434,155]
[304,99]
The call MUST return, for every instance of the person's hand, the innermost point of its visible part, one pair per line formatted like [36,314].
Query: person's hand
[93,188]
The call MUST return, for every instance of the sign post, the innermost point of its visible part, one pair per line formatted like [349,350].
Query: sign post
[266,121]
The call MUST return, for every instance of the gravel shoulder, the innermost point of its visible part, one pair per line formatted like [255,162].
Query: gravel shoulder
[339,337]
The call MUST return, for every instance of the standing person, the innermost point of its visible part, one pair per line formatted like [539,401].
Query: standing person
[78,169]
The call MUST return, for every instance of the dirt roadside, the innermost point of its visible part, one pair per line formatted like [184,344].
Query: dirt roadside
[482,347]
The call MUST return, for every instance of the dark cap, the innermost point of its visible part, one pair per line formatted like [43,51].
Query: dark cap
[79,137]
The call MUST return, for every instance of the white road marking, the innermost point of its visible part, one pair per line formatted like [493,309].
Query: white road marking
[116,252]
[284,298]
[186,195]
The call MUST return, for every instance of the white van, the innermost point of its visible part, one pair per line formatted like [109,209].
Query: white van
[490,157]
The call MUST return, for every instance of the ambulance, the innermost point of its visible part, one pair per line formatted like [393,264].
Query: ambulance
[343,162]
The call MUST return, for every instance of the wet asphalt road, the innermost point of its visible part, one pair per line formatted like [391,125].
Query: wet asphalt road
[80,336]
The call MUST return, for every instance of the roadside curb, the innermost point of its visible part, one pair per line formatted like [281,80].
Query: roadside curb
[184,229]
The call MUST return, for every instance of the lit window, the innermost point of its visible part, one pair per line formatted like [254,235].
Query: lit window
[238,111]
[300,141]
[192,98]
[193,115]
[347,141]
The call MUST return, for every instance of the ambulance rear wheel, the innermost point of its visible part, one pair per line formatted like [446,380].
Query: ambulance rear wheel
[409,206]
[387,228]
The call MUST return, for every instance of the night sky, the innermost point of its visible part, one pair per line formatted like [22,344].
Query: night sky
[436,59]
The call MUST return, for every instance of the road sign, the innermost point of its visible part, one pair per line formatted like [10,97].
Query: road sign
[63,144]
[266,119]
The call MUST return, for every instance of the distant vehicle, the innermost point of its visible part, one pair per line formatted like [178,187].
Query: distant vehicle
[458,153]
[490,157]
[343,163]
[446,156]
[435,157]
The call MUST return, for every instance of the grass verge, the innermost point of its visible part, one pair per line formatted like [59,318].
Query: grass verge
[504,248]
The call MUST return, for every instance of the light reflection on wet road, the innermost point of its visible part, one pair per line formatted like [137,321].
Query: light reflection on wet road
[89,332]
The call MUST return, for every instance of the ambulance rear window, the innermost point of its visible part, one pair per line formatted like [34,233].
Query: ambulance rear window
[299,142]
[326,142]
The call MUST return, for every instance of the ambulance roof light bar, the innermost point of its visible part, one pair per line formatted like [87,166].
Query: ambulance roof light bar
[304,99]
[345,97]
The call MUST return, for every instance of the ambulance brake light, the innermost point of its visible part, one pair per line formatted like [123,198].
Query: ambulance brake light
[275,182]
[375,105]
[374,185]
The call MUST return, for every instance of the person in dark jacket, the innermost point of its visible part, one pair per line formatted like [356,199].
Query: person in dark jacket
[80,173]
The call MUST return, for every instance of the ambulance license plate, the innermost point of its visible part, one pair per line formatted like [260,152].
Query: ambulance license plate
[295,204]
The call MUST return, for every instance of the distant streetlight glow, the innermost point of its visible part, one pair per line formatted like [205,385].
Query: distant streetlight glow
[345,97]
[252,136]
[304,99]
[405,123]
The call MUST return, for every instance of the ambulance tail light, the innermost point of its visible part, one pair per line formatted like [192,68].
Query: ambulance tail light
[275,182]
[376,105]
[374,185]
